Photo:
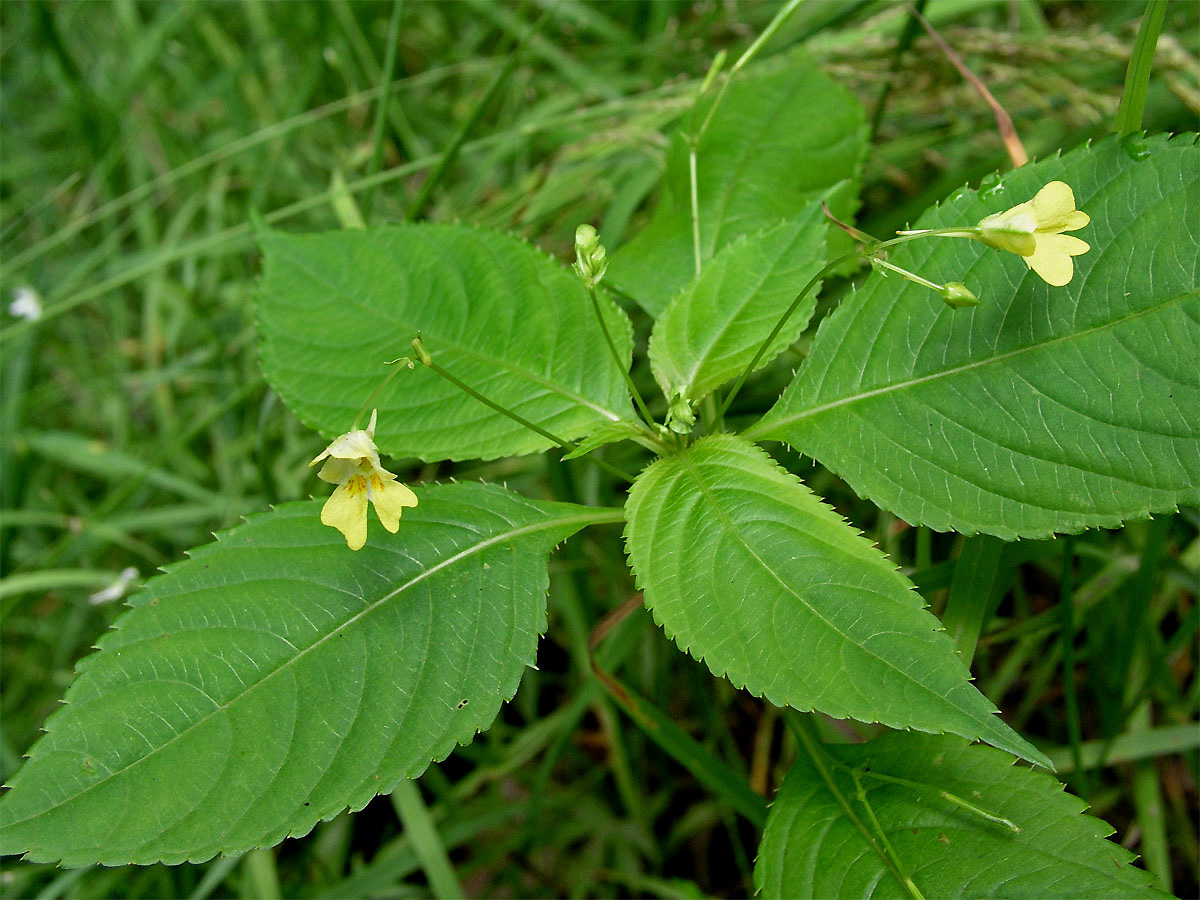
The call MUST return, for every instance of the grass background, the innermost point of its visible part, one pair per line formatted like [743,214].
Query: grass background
[137,138]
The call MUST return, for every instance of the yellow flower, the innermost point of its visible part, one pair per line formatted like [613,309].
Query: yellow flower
[1034,230]
[352,463]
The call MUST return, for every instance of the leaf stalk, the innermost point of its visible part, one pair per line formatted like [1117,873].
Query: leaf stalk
[869,251]
[427,361]
[612,349]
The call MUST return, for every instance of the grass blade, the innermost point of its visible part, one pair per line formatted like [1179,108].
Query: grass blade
[389,65]
[423,835]
[1137,76]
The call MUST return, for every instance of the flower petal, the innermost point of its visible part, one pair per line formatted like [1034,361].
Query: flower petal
[1012,230]
[1064,243]
[353,445]
[338,471]
[1076,220]
[1054,207]
[1052,259]
[390,497]
[346,510]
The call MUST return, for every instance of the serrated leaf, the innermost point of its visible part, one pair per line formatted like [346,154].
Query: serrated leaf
[746,569]
[277,678]
[778,142]
[710,332]
[812,847]
[1043,409]
[495,312]
[611,433]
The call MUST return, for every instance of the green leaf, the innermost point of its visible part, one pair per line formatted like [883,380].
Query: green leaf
[778,143]
[710,332]
[611,433]
[1043,409]
[820,841]
[746,569]
[277,678]
[497,313]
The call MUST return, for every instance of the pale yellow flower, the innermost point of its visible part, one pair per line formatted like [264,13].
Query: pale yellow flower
[352,463]
[1034,231]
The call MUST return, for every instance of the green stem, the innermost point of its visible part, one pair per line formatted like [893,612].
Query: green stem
[907,275]
[802,729]
[389,65]
[861,796]
[504,411]
[965,231]
[812,282]
[866,252]
[612,348]
[387,379]
[1137,77]
[428,845]
[694,141]
[982,813]
[776,23]
[261,877]
[695,200]
[974,587]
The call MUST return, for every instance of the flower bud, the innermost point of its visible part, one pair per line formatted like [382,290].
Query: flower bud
[591,261]
[958,295]
[680,417]
[422,353]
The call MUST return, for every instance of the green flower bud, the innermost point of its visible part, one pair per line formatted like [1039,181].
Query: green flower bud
[680,418]
[958,295]
[591,261]
[422,353]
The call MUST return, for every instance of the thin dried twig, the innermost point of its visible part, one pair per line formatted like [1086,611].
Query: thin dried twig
[1004,122]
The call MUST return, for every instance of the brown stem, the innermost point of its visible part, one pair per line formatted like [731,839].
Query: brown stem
[1004,122]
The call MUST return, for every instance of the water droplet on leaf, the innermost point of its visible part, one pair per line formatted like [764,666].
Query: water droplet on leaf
[1135,145]
[990,185]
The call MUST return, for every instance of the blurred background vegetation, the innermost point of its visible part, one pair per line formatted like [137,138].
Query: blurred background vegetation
[137,139]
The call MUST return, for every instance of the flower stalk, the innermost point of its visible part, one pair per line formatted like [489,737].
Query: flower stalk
[427,360]
[783,320]
[1033,230]
[954,293]
[591,262]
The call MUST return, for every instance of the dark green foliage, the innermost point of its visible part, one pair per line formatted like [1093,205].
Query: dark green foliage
[135,421]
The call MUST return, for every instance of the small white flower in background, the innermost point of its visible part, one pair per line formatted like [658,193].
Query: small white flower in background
[26,304]
[117,589]
[352,463]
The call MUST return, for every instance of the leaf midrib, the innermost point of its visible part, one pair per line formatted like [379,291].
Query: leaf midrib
[767,425]
[738,535]
[609,516]
[496,362]
[706,355]
[732,180]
